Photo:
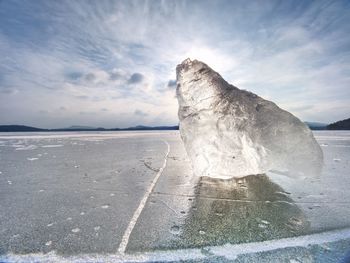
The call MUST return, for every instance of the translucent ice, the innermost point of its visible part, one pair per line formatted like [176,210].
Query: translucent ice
[230,132]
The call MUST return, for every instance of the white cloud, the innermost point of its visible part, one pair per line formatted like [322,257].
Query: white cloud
[85,56]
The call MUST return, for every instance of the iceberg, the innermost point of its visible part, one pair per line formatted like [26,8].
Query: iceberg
[228,132]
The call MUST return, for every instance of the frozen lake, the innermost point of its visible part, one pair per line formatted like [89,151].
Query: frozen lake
[131,196]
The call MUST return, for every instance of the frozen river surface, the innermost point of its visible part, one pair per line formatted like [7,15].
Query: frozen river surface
[131,196]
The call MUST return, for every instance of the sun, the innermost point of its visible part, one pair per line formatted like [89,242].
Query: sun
[215,58]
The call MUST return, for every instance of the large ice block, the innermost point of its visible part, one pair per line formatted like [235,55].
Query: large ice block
[230,132]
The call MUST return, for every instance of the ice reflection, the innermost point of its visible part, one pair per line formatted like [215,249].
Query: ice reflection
[248,209]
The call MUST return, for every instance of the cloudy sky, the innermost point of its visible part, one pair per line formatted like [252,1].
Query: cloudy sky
[112,63]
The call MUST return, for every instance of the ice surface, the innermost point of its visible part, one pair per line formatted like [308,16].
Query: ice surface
[254,219]
[111,172]
[230,132]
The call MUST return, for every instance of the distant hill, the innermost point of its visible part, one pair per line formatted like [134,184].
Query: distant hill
[316,125]
[77,127]
[22,128]
[340,125]
[19,128]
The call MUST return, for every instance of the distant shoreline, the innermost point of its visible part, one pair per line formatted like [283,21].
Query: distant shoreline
[339,125]
[23,128]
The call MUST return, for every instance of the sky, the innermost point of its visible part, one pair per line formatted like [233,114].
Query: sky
[112,63]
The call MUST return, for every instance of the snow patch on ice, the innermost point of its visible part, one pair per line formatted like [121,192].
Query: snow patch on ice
[52,146]
[48,243]
[25,148]
[175,230]
[228,251]
[76,230]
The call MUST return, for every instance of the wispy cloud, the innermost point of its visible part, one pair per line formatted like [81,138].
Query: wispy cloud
[74,58]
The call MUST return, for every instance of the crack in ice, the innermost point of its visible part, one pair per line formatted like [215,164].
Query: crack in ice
[125,240]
